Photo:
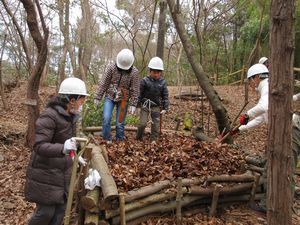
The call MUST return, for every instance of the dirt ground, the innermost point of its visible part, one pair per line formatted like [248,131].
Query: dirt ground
[14,156]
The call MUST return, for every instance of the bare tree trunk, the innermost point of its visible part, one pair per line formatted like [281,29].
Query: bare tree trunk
[86,42]
[202,77]
[26,50]
[161,29]
[279,192]
[1,82]
[34,79]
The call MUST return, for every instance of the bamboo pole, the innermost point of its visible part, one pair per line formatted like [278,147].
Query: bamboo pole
[108,185]
[72,185]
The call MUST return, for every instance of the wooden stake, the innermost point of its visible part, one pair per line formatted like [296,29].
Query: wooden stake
[122,209]
[178,202]
[215,199]
[253,191]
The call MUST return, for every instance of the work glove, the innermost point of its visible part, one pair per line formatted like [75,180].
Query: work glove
[234,132]
[132,109]
[244,119]
[82,161]
[97,102]
[69,146]
[163,112]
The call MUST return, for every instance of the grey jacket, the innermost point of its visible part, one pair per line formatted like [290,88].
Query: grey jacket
[49,171]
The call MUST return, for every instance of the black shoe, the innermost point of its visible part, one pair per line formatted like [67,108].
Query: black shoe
[257,207]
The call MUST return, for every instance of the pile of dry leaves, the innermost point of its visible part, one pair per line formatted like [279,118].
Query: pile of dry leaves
[135,164]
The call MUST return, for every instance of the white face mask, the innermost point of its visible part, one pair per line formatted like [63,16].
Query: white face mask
[78,111]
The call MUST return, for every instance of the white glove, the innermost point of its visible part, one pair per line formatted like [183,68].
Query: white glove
[69,145]
[96,102]
[82,161]
[92,180]
[132,109]
[163,112]
[295,97]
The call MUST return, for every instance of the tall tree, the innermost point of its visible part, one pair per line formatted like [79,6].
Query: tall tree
[1,82]
[279,193]
[161,29]
[34,79]
[86,39]
[202,77]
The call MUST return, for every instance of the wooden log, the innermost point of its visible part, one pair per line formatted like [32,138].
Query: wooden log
[195,190]
[254,168]
[122,209]
[159,208]
[147,190]
[91,219]
[104,152]
[231,178]
[178,202]
[91,200]
[108,185]
[214,201]
[255,161]
[156,208]
[156,187]
[140,203]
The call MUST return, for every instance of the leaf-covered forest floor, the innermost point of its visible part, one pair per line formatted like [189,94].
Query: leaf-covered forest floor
[176,150]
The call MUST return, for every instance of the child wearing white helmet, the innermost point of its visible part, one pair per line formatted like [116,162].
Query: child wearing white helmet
[154,99]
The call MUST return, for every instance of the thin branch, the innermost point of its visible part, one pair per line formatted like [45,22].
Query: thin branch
[29,62]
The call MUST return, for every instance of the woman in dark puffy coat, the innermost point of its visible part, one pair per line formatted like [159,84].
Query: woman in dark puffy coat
[49,169]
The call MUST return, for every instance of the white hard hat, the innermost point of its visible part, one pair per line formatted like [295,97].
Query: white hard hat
[156,64]
[257,69]
[262,60]
[125,59]
[72,86]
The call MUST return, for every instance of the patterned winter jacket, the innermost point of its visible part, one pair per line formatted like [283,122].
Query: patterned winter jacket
[112,82]
[49,171]
[155,90]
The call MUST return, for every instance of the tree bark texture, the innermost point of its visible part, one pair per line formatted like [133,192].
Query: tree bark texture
[202,77]
[1,81]
[34,79]
[86,39]
[161,29]
[279,191]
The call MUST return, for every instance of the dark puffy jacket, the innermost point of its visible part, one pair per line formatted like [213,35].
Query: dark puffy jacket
[49,171]
[155,90]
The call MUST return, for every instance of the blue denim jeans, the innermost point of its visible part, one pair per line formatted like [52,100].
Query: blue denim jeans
[106,120]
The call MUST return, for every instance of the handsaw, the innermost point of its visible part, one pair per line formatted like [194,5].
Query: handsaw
[123,105]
